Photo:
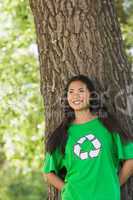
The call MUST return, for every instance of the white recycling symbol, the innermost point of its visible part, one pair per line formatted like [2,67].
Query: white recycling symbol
[92,153]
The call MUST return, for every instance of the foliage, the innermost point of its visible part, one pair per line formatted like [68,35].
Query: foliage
[21,111]
[20,186]
[125,14]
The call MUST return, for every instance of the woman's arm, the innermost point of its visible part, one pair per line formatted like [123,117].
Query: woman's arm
[126,171]
[54,180]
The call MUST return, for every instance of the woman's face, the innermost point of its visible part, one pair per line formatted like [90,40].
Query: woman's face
[78,95]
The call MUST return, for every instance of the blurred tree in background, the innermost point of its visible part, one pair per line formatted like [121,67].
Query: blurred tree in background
[125,14]
[21,111]
[21,106]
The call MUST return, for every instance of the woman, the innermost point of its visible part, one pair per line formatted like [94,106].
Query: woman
[85,152]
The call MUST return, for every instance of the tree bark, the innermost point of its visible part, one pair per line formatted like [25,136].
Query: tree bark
[82,36]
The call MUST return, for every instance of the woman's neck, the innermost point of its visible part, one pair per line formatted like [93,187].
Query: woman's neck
[83,116]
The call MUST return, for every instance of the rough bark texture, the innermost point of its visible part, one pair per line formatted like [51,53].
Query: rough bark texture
[82,36]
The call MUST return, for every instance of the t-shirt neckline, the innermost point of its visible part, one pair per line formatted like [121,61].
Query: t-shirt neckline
[85,123]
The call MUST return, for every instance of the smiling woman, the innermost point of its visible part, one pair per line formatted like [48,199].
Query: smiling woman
[83,144]
[78,98]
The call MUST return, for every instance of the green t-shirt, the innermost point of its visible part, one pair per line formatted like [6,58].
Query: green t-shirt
[92,160]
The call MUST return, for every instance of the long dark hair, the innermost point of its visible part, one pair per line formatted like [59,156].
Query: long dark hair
[59,136]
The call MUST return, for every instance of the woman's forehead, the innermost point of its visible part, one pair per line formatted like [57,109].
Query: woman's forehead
[77,85]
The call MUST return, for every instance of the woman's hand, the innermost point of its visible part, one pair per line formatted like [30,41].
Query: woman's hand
[126,171]
[53,179]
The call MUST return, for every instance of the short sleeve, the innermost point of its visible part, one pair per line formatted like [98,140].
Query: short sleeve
[52,162]
[124,148]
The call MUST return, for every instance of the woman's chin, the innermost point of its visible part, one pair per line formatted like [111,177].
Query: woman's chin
[79,108]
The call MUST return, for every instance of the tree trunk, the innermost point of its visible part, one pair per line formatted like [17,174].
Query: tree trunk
[82,36]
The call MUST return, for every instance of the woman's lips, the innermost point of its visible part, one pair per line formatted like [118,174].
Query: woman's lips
[77,102]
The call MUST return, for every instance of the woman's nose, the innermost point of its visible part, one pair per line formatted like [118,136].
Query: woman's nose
[76,95]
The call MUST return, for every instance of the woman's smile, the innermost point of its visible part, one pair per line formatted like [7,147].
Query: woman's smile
[78,95]
[77,102]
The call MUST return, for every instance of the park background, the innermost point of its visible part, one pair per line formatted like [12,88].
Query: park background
[22,113]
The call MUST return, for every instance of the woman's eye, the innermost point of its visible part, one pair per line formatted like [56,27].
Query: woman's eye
[72,91]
